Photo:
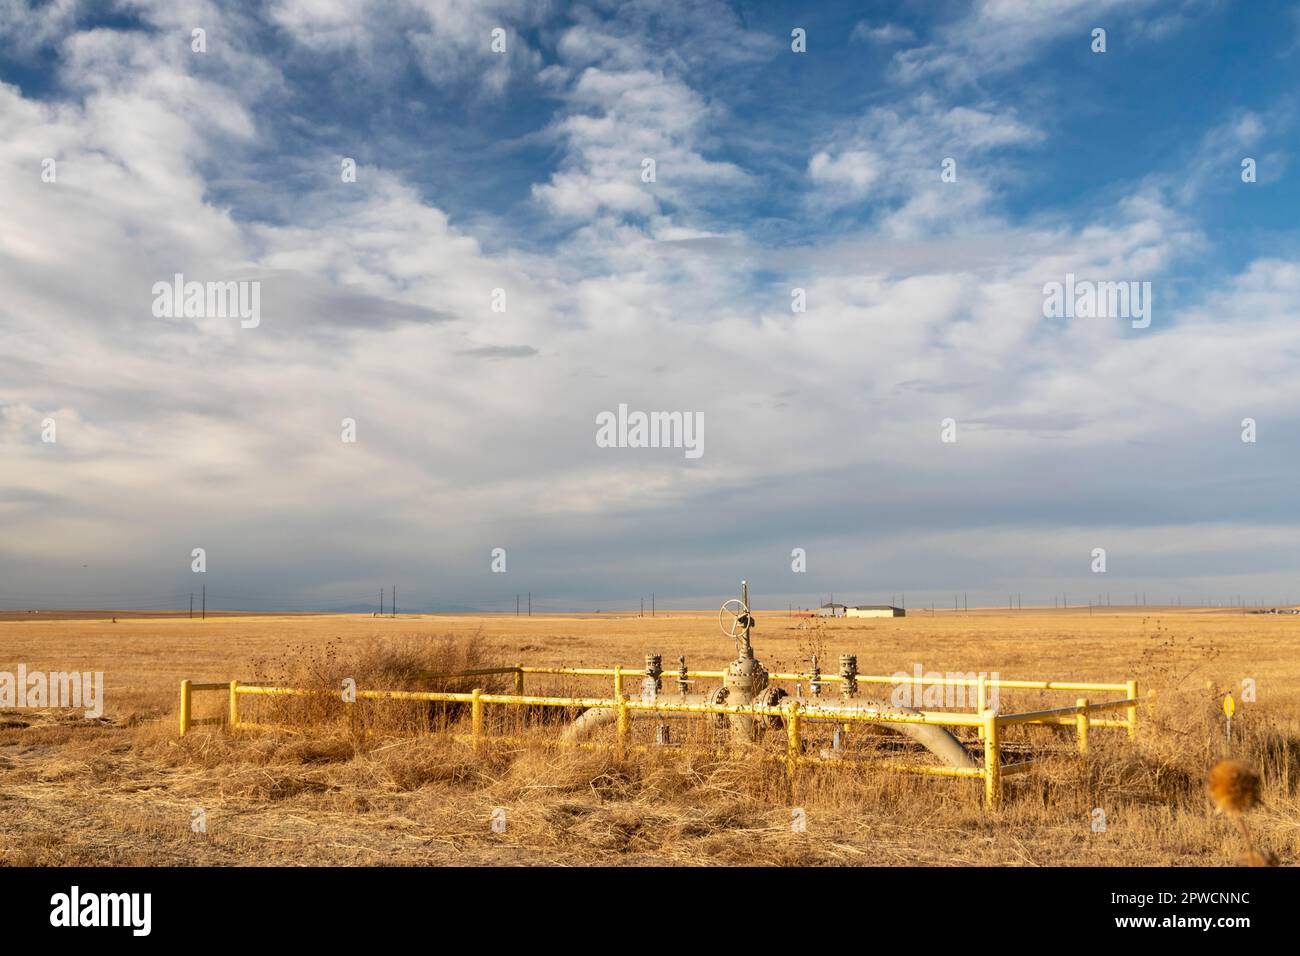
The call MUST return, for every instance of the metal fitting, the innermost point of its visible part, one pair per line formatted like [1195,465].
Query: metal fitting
[654,667]
[849,675]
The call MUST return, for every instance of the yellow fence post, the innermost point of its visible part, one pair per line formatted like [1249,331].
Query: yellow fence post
[624,717]
[792,739]
[185,707]
[1081,724]
[476,716]
[234,704]
[1132,709]
[981,699]
[992,760]
[519,679]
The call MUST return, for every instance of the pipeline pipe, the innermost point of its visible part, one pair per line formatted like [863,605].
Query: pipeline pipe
[938,740]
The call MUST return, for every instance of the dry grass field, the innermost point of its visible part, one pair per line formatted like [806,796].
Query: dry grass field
[122,790]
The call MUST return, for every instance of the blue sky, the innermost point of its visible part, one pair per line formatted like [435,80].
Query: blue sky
[521,171]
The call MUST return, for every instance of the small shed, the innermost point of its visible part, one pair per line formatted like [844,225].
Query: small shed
[832,609]
[875,610]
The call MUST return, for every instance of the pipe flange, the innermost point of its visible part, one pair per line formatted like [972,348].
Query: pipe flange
[771,697]
[716,698]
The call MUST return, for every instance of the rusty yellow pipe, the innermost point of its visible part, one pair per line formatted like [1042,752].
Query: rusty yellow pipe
[1081,724]
[861,678]
[866,714]
[234,705]
[810,712]
[476,716]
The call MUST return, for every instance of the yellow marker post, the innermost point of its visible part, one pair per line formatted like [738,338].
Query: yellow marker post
[1132,691]
[185,707]
[519,679]
[1081,724]
[1229,708]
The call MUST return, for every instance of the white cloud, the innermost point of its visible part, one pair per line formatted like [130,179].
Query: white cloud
[895,154]
[448,41]
[851,172]
[615,120]
[999,36]
[476,428]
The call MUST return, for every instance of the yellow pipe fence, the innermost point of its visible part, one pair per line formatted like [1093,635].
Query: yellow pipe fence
[989,723]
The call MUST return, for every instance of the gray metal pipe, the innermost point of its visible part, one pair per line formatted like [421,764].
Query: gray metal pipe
[938,740]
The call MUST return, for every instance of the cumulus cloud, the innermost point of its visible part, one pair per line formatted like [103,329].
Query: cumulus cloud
[895,155]
[448,41]
[618,120]
[475,424]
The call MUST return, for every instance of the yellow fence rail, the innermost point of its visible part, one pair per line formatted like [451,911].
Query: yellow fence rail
[793,711]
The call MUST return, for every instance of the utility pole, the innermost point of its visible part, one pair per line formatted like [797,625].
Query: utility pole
[516,605]
[643,607]
[652,604]
[965,603]
[191,605]
[205,602]
[394,600]
[530,603]
[381,602]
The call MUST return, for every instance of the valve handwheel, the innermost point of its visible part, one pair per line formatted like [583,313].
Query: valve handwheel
[733,618]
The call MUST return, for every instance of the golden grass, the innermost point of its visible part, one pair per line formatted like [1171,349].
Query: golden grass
[122,790]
